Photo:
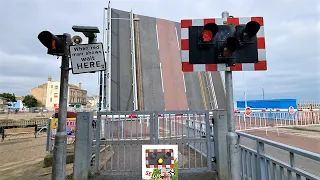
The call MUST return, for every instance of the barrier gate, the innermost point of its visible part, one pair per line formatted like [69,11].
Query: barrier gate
[126,132]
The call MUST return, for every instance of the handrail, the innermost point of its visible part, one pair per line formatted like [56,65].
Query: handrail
[292,149]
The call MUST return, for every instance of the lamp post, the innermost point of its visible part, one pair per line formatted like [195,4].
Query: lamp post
[262,92]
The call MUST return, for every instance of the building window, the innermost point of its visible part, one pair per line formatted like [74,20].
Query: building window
[55,95]
[50,99]
[56,87]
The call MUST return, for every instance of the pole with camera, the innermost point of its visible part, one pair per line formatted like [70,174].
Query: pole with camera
[87,58]
[58,45]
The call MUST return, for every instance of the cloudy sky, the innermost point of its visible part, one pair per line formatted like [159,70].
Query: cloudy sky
[292,30]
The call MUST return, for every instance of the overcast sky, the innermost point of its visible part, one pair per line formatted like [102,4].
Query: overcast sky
[292,30]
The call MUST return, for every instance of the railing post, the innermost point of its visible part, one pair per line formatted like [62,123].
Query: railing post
[208,138]
[83,146]
[156,127]
[261,162]
[48,144]
[97,145]
[292,164]
[220,144]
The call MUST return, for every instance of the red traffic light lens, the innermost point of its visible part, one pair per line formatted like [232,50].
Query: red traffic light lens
[209,31]
[207,35]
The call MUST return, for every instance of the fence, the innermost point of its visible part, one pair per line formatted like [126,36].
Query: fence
[256,163]
[127,131]
[266,119]
[308,105]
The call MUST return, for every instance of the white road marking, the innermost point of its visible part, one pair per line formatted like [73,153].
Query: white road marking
[157,36]
[161,78]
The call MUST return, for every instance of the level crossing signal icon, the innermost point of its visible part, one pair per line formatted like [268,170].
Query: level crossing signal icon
[223,44]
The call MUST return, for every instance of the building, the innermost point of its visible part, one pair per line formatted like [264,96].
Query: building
[92,101]
[16,105]
[3,105]
[267,103]
[47,94]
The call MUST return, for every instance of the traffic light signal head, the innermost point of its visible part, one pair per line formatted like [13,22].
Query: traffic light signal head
[202,41]
[248,51]
[54,43]
[230,46]
[249,31]
[208,32]
[226,43]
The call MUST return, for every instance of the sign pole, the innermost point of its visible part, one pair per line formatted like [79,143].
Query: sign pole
[60,144]
[92,40]
[232,137]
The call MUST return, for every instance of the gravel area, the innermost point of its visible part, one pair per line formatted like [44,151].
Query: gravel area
[21,158]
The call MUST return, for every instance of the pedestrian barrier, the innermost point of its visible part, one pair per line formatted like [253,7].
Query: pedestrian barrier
[257,164]
[125,132]
[265,119]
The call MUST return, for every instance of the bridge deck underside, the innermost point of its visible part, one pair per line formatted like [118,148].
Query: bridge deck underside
[164,85]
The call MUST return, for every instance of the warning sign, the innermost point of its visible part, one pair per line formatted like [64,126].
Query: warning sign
[160,162]
[87,58]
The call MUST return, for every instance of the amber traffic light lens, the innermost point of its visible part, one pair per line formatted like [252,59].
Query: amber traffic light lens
[53,44]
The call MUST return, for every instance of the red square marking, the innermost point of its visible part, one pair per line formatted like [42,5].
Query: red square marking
[147,166]
[209,20]
[171,165]
[163,150]
[155,166]
[233,20]
[261,65]
[261,44]
[155,150]
[147,158]
[258,19]
[147,150]
[237,67]
[185,23]
[184,44]
[186,67]
[211,67]
[171,150]
[172,158]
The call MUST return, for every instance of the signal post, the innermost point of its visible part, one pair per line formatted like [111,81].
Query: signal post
[224,44]
[59,45]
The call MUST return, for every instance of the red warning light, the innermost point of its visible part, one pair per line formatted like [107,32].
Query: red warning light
[53,44]
[207,35]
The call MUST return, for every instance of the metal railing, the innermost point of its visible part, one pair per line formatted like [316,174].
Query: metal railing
[266,119]
[257,164]
[126,132]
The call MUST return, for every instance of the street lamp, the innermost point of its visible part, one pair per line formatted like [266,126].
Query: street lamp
[262,92]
